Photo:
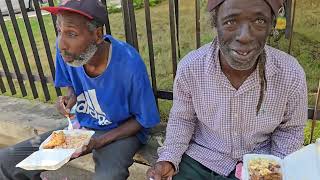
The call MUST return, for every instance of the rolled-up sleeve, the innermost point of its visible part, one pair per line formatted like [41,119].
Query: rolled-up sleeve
[181,122]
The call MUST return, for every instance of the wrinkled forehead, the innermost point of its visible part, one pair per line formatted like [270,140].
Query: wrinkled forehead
[244,7]
[72,19]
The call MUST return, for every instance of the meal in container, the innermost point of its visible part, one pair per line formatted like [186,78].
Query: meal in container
[60,140]
[264,169]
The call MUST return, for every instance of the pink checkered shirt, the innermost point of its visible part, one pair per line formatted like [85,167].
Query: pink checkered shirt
[215,124]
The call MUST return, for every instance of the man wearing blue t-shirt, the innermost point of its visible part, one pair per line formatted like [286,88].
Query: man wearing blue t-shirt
[107,81]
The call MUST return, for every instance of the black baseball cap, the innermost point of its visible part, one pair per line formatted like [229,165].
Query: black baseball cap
[91,9]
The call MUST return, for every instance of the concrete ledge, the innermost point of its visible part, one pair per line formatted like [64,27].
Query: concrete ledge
[20,118]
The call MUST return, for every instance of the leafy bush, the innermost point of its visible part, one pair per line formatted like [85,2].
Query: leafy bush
[136,3]
[139,3]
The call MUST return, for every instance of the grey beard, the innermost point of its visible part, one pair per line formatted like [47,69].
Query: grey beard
[233,63]
[240,67]
[84,57]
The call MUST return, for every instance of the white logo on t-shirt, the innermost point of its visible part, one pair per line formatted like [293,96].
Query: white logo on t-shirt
[87,103]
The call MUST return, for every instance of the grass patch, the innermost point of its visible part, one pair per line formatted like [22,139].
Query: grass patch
[307,132]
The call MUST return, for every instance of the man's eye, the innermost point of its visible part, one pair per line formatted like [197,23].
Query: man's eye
[72,34]
[260,21]
[230,22]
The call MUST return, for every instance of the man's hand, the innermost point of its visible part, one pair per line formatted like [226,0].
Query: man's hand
[95,143]
[65,103]
[162,170]
[238,173]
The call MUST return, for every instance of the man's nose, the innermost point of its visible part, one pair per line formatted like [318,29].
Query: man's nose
[244,35]
[63,45]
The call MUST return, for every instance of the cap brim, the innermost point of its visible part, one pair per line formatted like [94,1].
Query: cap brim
[56,10]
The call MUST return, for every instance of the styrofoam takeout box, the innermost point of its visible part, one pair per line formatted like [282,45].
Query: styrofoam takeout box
[46,159]
[302,164]
[53,159]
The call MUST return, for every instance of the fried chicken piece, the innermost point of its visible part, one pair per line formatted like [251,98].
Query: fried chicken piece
[56,140]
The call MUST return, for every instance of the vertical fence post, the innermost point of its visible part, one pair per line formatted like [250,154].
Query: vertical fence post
[173,37]
[2,87]
[197,5]
[11,51]
[130,23]
[48,52]
[288,11]
[34,49]
[108,30]
[150,48]
[315,113]
[292,24]
[176,15]
[6,68]
[53,17]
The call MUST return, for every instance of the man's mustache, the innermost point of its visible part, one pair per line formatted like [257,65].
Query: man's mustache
[66,53]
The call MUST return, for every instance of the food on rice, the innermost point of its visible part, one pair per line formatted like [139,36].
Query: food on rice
[264,169]
[57,139]
[71,141]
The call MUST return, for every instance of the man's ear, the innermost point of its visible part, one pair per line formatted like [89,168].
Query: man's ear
[99,35]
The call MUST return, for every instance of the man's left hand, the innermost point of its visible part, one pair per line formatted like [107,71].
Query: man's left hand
[239,171]
[93,144]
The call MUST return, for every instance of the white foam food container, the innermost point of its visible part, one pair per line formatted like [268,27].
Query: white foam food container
[53,159]
[302,164]
[46,159]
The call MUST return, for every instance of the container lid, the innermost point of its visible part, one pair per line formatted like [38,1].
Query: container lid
[46,159]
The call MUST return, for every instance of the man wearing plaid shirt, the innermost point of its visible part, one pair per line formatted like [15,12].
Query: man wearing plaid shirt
[232,97]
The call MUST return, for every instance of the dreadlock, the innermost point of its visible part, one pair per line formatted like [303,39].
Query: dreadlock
[263,80]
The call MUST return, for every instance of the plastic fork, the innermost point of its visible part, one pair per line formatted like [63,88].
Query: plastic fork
[70,127]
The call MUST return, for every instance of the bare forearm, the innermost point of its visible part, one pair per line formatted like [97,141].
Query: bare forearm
[127,129]
[70,92]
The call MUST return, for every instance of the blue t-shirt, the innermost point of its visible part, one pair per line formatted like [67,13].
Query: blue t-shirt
[122,91]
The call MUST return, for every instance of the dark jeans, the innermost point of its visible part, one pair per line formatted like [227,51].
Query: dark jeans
[111,162]
[190,169]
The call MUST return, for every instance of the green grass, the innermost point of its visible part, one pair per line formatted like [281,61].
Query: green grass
[305,47]
[307,132]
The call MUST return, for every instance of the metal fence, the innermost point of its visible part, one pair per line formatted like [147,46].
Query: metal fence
[32,76]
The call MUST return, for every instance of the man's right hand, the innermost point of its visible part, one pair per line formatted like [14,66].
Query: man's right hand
[65,103]
[162,170]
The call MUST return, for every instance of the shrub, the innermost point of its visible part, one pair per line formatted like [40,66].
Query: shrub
[136,3]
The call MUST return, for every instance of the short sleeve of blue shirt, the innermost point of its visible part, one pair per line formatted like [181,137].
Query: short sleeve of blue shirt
[142,103]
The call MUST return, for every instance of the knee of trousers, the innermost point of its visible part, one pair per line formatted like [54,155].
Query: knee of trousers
[4,163]
[4,156]
[111,174]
